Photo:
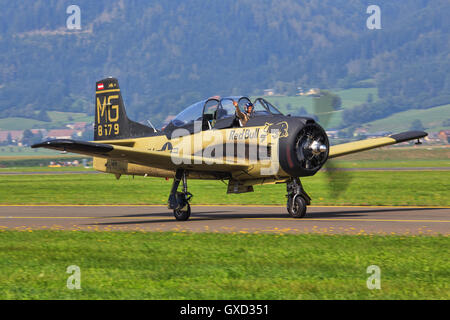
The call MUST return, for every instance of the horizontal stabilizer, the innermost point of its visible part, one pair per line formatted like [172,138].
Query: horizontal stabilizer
[83,147]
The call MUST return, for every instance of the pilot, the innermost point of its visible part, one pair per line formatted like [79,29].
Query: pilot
[243,116]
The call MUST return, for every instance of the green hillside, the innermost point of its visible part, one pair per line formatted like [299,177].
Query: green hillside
[349,97]
[58,120]
[432,120]
[169,54]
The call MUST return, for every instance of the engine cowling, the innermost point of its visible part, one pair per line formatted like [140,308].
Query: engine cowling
[305,150]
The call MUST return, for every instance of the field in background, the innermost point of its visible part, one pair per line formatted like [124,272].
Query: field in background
[387,157]
[354,188]
[431,120]
[21,163]
[59,120]
[349,98]
[16,152]
[136,265]
[286,104]
[397,188]
[416,152]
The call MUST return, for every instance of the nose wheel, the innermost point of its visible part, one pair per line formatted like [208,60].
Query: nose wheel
[179,201]
[183,213]
[298,199]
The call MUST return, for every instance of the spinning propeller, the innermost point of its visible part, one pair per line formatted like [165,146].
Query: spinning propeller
[325,105]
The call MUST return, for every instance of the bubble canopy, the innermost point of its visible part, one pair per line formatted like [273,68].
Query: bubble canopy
[221,108]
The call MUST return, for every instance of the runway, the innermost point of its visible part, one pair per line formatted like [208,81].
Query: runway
[237,219]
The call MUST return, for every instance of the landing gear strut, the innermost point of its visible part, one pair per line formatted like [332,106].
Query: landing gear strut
[298,199]
[179,201]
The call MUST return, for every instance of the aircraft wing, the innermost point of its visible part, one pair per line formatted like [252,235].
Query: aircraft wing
[361,145]
[163,160]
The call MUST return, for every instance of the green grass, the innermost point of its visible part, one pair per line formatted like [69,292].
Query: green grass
[135,265]
[356,96]
[419,188]
[336,163]
[416,156]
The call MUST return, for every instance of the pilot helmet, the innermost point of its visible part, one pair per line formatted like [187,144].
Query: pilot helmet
[248,107]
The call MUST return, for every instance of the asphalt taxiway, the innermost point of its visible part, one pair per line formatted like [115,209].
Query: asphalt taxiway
[239,219]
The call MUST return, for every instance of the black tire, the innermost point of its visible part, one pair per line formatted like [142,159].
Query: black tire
[183,214]
[297,208]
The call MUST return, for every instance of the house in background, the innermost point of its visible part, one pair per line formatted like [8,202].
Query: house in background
[77,125]
[269,92]
[61,133]
[444,136]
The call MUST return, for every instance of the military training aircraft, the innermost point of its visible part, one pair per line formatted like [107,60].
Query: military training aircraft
[211,140]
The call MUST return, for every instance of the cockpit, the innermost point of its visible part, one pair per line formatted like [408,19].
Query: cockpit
[218,113]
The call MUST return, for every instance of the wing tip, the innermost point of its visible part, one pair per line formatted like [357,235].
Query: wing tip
[408,135]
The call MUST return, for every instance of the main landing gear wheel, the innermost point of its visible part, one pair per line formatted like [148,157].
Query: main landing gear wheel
[298,199]
[179,201]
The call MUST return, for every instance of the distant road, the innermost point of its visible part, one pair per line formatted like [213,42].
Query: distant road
[334,169]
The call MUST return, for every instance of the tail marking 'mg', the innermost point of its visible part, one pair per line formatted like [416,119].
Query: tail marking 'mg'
[103,116]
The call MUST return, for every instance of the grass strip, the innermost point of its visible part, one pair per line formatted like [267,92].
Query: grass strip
[402,188]
[136,265]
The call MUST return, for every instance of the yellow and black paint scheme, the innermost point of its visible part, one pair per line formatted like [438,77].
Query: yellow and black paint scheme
[124,147]
[111,120]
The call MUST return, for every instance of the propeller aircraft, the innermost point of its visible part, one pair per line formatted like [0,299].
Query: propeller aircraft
[207,140]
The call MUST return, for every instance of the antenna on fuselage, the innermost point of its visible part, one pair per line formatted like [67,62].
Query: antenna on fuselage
[151,124]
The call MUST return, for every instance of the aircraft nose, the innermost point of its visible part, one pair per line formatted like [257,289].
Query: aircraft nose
[317,148]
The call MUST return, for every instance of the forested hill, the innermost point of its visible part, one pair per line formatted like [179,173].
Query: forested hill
[167,54]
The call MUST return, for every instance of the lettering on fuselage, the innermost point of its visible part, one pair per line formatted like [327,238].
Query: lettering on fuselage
[244,134]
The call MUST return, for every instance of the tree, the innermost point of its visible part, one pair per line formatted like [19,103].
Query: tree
[336,102]
[27,137]
[417,125]
[9,140]
[43,116]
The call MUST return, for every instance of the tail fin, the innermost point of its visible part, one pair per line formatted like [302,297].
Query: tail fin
[111,121]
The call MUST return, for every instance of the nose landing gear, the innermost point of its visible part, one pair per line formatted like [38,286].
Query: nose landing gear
[298,199]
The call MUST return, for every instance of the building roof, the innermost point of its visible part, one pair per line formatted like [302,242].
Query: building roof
[60,133]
